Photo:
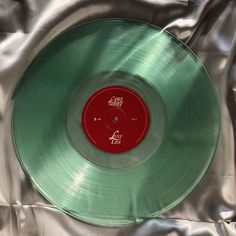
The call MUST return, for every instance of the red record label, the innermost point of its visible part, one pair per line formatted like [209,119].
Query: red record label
[115,119]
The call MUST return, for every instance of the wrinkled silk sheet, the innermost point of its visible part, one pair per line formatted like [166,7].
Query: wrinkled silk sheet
[208,27]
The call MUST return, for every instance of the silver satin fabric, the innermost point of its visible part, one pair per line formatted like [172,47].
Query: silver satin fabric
[208,27]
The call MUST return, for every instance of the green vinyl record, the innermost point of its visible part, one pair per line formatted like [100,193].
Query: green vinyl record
[115,122]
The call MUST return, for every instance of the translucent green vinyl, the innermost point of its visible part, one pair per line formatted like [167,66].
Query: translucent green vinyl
[180,142]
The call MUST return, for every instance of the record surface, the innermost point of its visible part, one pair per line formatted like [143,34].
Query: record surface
[107,76]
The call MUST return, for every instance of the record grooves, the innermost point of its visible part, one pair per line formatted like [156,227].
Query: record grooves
[115,122]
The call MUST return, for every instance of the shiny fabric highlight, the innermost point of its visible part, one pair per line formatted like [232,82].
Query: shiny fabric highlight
[208,28]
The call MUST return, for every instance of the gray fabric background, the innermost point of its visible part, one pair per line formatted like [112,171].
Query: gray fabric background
[208,27]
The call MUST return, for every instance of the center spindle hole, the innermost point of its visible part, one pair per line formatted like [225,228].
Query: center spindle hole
[115,119]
